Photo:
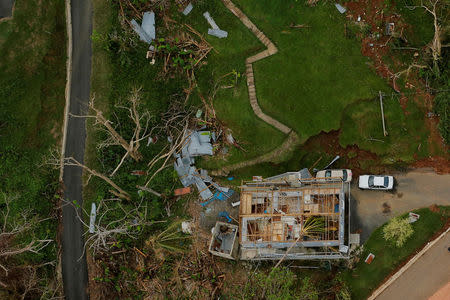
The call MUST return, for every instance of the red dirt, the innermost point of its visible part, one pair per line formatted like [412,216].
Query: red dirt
[375,46]
[440,164]
[329,142]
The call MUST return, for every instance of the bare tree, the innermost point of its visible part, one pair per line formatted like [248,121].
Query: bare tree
[117,191]
[433,7]
[71,161]
[140,132]
[13,227]
[174,124]
[107,227]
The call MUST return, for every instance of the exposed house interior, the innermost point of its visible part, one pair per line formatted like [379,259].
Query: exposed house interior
[309,212]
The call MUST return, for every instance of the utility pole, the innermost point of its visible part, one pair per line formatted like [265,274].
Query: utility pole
[382,114]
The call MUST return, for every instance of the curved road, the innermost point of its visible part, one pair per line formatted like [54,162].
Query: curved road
[426,276]
[74,267]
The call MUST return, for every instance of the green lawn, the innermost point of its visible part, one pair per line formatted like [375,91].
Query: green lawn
[32,85]
[232,104]
[366,278]
[318,81]
[407,135]
[317,72]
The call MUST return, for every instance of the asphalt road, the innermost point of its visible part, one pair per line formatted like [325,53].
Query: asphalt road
[74,267]
[416,189]
[6,8]
[425,277]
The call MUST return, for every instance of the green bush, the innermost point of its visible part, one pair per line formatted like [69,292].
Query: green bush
[397,231]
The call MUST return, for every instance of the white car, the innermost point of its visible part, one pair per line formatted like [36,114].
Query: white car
[345,174]
[376,182]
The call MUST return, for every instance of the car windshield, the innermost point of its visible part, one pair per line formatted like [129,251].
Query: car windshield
[371,181]
[344,176]
[328,173]
[386,181]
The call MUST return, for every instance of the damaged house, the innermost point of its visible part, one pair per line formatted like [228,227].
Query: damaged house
[294,216]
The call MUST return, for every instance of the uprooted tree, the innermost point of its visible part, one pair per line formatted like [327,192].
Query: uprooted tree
[437,9]
[107,227]
[141,122]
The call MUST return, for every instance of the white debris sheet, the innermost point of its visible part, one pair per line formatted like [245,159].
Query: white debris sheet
[92,218]
[214,30]
[210,20]
[146,32]
[188,9]
[340,8]
[197,143]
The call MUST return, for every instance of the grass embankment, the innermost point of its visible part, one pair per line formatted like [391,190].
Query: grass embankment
[232,104]
[317,72]
[366,278]
[32,83]
[318,82]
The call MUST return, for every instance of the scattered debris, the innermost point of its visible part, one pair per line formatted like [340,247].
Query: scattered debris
[389,28]
[290,176]
[413,217]
[234,204]
[147,31]
[210,20]
[199,113]
[343,248]
[224,240]
[188,9]
[340,8]
[218,33]
[257,178]
[152,140]
[182,191]
[386,208]
[138,173]
[214,30]
[332,162]
[230,138]
[197,143]
[186,227]
[92,218]
[369,258]
[224,214]
[292,25]
[147,189]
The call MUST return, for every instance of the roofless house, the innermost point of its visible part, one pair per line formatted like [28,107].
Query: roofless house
[295,216]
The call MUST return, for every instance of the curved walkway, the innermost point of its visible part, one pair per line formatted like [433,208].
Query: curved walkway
[292,139]
[271,50]
[274,155]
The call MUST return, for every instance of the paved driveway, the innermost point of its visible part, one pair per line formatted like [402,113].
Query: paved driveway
[416,189]
[427,275]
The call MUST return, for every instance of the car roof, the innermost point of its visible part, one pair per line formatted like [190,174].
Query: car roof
[378,181]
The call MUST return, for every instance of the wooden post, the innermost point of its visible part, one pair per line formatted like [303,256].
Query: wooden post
[382,114]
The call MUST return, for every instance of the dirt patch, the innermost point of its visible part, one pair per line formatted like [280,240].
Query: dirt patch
[441,165]
[354,157]
[434,208]
[374,15]
[386,208]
